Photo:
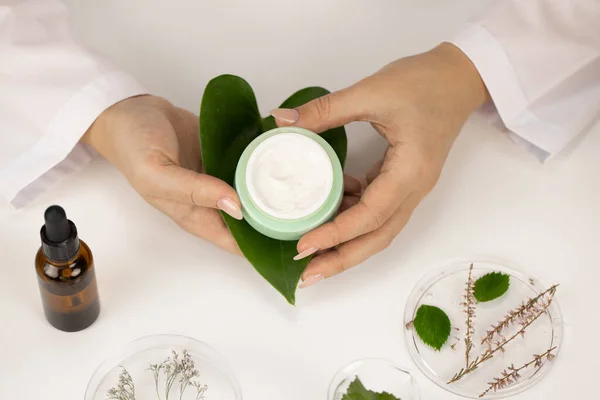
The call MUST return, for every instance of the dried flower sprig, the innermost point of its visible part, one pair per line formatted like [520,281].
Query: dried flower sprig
[188,372]
[469,309]
[125,389]
[500,344]
[174,368]
[512,375]
[156,368]
[519,315]
[200,390]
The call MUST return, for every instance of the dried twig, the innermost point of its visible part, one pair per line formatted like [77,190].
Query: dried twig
[500,344]
[518,315]
[512,374]
[469,305]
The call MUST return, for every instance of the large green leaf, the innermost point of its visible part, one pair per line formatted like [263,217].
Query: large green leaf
[357,391]
[229,121]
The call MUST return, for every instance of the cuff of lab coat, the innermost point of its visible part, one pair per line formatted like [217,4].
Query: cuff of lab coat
[541,138]
[59,152]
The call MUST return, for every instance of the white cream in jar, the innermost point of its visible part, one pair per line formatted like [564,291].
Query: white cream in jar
[290,181]
[289,176]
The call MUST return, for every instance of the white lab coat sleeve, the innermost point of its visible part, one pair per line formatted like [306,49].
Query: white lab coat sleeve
[51,90]
[540,60]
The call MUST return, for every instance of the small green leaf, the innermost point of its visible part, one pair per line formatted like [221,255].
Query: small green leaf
[433,326]
[357,391]
[491,286]
[229,121]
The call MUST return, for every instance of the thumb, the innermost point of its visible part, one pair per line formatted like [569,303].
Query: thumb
[323,113]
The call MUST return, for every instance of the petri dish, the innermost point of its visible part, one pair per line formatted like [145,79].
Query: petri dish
[444,288]
[150,367]
[376,375]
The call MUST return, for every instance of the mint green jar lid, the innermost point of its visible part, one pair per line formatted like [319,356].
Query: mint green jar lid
[288,228]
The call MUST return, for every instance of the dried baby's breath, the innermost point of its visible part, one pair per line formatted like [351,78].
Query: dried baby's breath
[175,369]
[125,389]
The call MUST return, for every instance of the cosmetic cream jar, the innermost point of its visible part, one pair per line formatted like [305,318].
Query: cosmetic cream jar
[290,181]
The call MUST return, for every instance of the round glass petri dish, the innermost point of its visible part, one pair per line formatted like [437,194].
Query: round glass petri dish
[150,367]
[445,288]
[375,375]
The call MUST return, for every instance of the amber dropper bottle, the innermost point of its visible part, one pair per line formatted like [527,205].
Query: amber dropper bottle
[66,277]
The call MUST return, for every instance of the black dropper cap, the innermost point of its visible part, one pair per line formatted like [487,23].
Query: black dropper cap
[60,242]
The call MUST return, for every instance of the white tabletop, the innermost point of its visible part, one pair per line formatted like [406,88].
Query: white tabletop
[492,199]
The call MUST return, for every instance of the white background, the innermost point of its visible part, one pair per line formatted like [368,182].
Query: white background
[492,199]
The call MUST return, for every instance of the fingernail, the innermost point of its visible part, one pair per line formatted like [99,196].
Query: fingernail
[311,280]
[306,253]
[227,205]
[357,192]
[286,115]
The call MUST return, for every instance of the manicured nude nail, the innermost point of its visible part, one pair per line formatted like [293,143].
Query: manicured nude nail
[311,280]
[287,115]
[306,253]
[227,205]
